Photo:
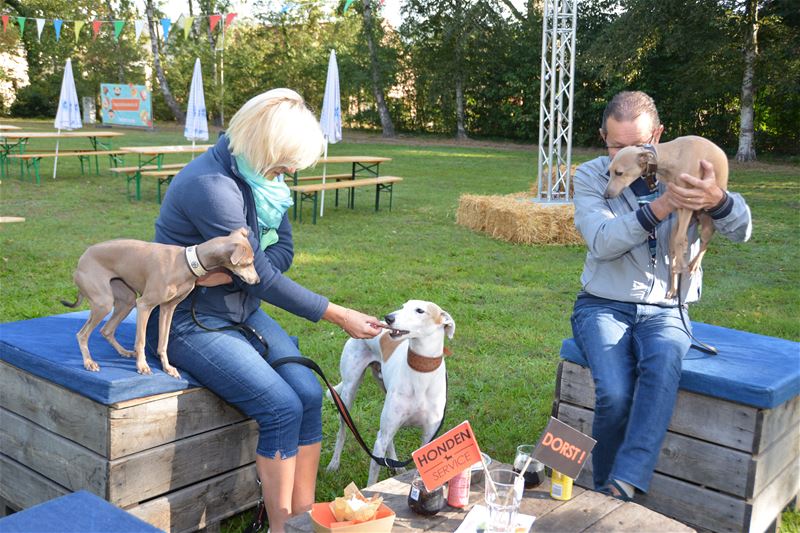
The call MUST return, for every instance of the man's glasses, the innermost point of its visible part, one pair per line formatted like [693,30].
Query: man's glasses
[621,146]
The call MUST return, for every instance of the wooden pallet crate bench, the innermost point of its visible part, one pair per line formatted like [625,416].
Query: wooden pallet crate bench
[165,450]
[731,457]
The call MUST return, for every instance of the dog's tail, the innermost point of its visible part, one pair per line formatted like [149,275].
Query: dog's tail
[338,389]
[76,303]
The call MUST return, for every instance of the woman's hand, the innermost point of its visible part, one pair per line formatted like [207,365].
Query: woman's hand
[356,324]
[216,277]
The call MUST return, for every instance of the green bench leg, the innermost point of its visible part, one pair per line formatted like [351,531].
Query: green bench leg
[35,163]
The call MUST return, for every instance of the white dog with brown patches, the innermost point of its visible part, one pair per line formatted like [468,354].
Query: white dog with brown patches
[408,361]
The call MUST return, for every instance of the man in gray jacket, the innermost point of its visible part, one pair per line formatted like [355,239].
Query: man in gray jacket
[630,332]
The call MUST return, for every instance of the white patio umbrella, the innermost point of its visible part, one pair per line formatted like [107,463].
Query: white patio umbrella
[68,116]
[196,128]
[331,117]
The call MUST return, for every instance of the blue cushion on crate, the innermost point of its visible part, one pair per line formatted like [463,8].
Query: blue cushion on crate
[79,512]
[46,347]
[750,369]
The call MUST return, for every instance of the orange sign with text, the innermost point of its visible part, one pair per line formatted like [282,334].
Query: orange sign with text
[442,459]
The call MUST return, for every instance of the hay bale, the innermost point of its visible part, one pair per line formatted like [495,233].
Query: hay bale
[519,219]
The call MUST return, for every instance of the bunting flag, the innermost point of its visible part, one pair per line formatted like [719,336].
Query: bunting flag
[57,23]
[187,26]
[96,28]
[5,23]
[213,20]
[21,22]
[228,19]
[346,6]
[39,28]
[165,24]
[118,25]
[138,26]
[78,25]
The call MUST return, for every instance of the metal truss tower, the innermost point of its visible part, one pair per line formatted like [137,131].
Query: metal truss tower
[555,101]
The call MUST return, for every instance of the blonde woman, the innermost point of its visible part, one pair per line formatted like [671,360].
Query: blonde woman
[238,183]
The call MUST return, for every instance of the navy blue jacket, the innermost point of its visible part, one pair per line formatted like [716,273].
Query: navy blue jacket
[208,198]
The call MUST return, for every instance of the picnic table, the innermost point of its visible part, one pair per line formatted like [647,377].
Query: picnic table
[9,127]
[18,141]
[151,163]
[586,511]
[156,153]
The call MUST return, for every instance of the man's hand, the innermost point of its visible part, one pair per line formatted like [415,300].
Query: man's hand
[216,277]
[704,194]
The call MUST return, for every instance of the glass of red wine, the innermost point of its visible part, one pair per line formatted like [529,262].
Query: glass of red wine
[534,474]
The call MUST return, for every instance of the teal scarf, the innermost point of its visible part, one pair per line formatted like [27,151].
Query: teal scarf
[273,198]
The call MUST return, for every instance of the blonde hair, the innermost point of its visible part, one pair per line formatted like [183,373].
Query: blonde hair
[276,129]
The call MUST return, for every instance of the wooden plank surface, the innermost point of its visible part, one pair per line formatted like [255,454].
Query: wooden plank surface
[21,487]
[767,506]
[774,460]
[55,408]
[711,419]
[63,461]
[140,425]
[634,518]
[202,504]
[579,513]
[144,475]
[773,423]
[684,457]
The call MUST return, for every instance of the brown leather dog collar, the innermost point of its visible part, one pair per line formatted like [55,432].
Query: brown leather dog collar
[420,363]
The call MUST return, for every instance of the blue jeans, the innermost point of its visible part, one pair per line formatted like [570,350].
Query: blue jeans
[634,353]
[286,403]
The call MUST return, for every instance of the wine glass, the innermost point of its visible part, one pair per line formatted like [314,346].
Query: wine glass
[534,474]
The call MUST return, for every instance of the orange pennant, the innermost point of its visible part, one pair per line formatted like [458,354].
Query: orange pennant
[213,20]
[229,18]
[96,27]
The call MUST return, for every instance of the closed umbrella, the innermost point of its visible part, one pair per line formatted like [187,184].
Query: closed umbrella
[68,116]
[331,118]
[196,128]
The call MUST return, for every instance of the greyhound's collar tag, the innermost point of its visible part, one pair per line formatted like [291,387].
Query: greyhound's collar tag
[423,364]
[194,262]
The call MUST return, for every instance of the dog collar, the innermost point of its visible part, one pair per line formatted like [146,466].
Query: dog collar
[195,265]
[650,172]
[423,364]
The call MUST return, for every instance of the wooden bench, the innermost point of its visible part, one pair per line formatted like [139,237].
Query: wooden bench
[311,192]
[32,160]
[725,465]
[133,174]
[177,456]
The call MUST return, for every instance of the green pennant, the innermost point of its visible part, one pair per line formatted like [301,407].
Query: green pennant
[21,22]
[78,25]
[346,6]
[187,26]
[118,25]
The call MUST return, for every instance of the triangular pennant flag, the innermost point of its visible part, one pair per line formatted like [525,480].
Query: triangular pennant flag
[57,23]
[346,6]
[96,28]
[78,25]
[21,22]
[138,25]
[118,25]
[229,18]
[5,23]
[187,26]
[39,28]
[284,9]
[213,20]
[165,24]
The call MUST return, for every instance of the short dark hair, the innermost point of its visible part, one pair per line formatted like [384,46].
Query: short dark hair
[629,105]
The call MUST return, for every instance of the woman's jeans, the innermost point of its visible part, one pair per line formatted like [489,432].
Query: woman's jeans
[286,403]
[634,353]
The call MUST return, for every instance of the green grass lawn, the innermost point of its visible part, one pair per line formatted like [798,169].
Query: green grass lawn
[511,303]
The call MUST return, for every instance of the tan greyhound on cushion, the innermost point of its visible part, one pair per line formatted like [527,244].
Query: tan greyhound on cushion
[110,274]
[667,161]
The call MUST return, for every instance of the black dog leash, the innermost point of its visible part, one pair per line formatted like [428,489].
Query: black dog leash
[682,308]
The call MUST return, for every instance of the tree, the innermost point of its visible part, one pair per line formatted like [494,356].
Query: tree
[747,150]
[377,85]
[177,112]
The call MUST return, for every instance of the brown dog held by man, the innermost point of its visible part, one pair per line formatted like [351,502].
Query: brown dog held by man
[668,161]
[110,274]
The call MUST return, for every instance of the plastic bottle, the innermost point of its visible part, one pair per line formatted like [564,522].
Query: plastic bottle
[560,486]
[458,490]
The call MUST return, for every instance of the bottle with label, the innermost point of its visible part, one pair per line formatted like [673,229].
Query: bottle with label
[458,490]
[560,486]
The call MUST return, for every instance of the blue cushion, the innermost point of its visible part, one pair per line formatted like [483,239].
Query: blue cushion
[46,347]
[79,512]
[750,369]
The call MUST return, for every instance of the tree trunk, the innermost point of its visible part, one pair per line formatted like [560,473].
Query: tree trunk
[461,132]
[747,150]
[377,90]
[177,112]
[120,66]
[216,117]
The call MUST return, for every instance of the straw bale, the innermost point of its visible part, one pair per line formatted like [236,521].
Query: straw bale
[517,218]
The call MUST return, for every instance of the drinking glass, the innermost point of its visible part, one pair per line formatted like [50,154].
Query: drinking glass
[502,494]
[534,475]
[425,502]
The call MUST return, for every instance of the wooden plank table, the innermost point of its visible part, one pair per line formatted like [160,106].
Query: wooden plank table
[8,127]
[587,511]
[154,155]
[21,139]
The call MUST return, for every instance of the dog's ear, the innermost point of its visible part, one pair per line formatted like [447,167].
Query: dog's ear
[244,231]
[239,252]
[449,324]
[646,157]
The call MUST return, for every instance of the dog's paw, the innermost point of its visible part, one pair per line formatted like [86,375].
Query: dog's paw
[127,353]
[144,369]
[172,371]
[333,466]
[91,366]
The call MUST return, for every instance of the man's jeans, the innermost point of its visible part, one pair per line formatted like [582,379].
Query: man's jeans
[634,353]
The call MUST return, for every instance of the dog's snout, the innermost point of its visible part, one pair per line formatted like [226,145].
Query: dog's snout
[389,318]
